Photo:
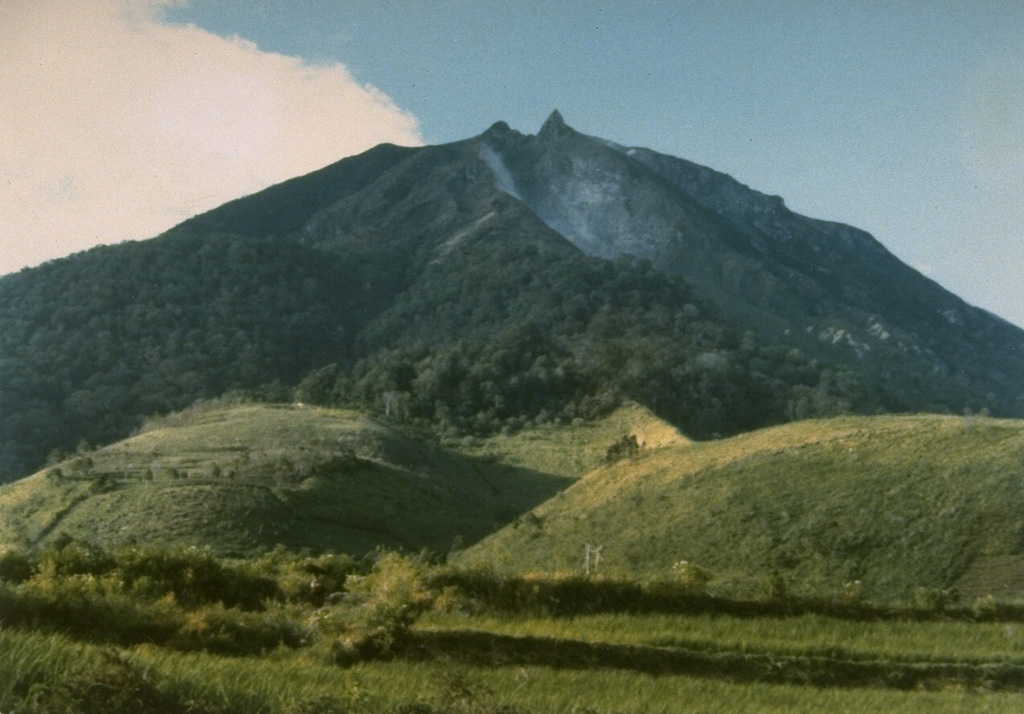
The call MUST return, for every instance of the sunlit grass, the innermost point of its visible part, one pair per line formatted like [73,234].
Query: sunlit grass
[891,503]
[573,450]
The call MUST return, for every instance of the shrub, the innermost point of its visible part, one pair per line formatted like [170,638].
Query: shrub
[195,577]
[853,592]
[932,599]
[214,628]
[89,607]
[75,558]
[776,589]
[382,608]
[15,566]
[293,573]
[691,576]
[985,608]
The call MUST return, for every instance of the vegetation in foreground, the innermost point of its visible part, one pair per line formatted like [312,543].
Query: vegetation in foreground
[138,631]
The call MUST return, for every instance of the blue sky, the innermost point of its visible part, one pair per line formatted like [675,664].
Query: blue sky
[905,119]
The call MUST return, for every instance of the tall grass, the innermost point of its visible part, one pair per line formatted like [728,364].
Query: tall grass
[27,658]
[384,687]
[144,649]
[284,682]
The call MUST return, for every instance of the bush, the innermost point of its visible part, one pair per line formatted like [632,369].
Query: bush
[76,558]
[214,628]
[932,599]
[15,566]
[195,577]
[293,574]
[691,576]
[382,608]
[776,589]
[985,608]
[86,606]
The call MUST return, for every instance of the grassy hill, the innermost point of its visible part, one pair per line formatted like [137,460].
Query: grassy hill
[886,507]
[248,477]
[242,478]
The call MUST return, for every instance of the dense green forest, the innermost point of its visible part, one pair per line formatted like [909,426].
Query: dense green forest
[91,344]
[497,337]
[525,340]
[501,333]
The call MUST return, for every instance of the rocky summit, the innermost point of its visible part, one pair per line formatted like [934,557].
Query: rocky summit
[745,251]
[769,268]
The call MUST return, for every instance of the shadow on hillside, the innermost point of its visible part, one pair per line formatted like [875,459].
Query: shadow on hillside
[241,492]
[445,502]
[487,494]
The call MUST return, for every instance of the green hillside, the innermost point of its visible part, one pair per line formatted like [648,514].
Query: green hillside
[576,449]
[884,507]
[248,477]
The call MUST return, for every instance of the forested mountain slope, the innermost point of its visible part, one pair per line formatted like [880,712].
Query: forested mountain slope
[485,285]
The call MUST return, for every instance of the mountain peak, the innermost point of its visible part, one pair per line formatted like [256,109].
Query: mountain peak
[498,128]
[554,126]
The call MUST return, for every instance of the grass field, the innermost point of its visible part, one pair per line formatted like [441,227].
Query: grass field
[805,635]
[242,478]
[287,681]
[182,631]
[897,507]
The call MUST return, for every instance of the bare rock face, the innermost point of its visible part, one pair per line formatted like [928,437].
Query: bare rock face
[767,267]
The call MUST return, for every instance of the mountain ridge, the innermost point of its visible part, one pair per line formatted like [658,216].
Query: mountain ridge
[587,270]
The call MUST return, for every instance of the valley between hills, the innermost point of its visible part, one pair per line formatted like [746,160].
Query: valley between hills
[895,504]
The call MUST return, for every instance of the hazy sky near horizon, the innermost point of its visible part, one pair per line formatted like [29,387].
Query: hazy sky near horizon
[121,118]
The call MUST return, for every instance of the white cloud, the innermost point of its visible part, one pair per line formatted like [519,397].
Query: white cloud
[115,126]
